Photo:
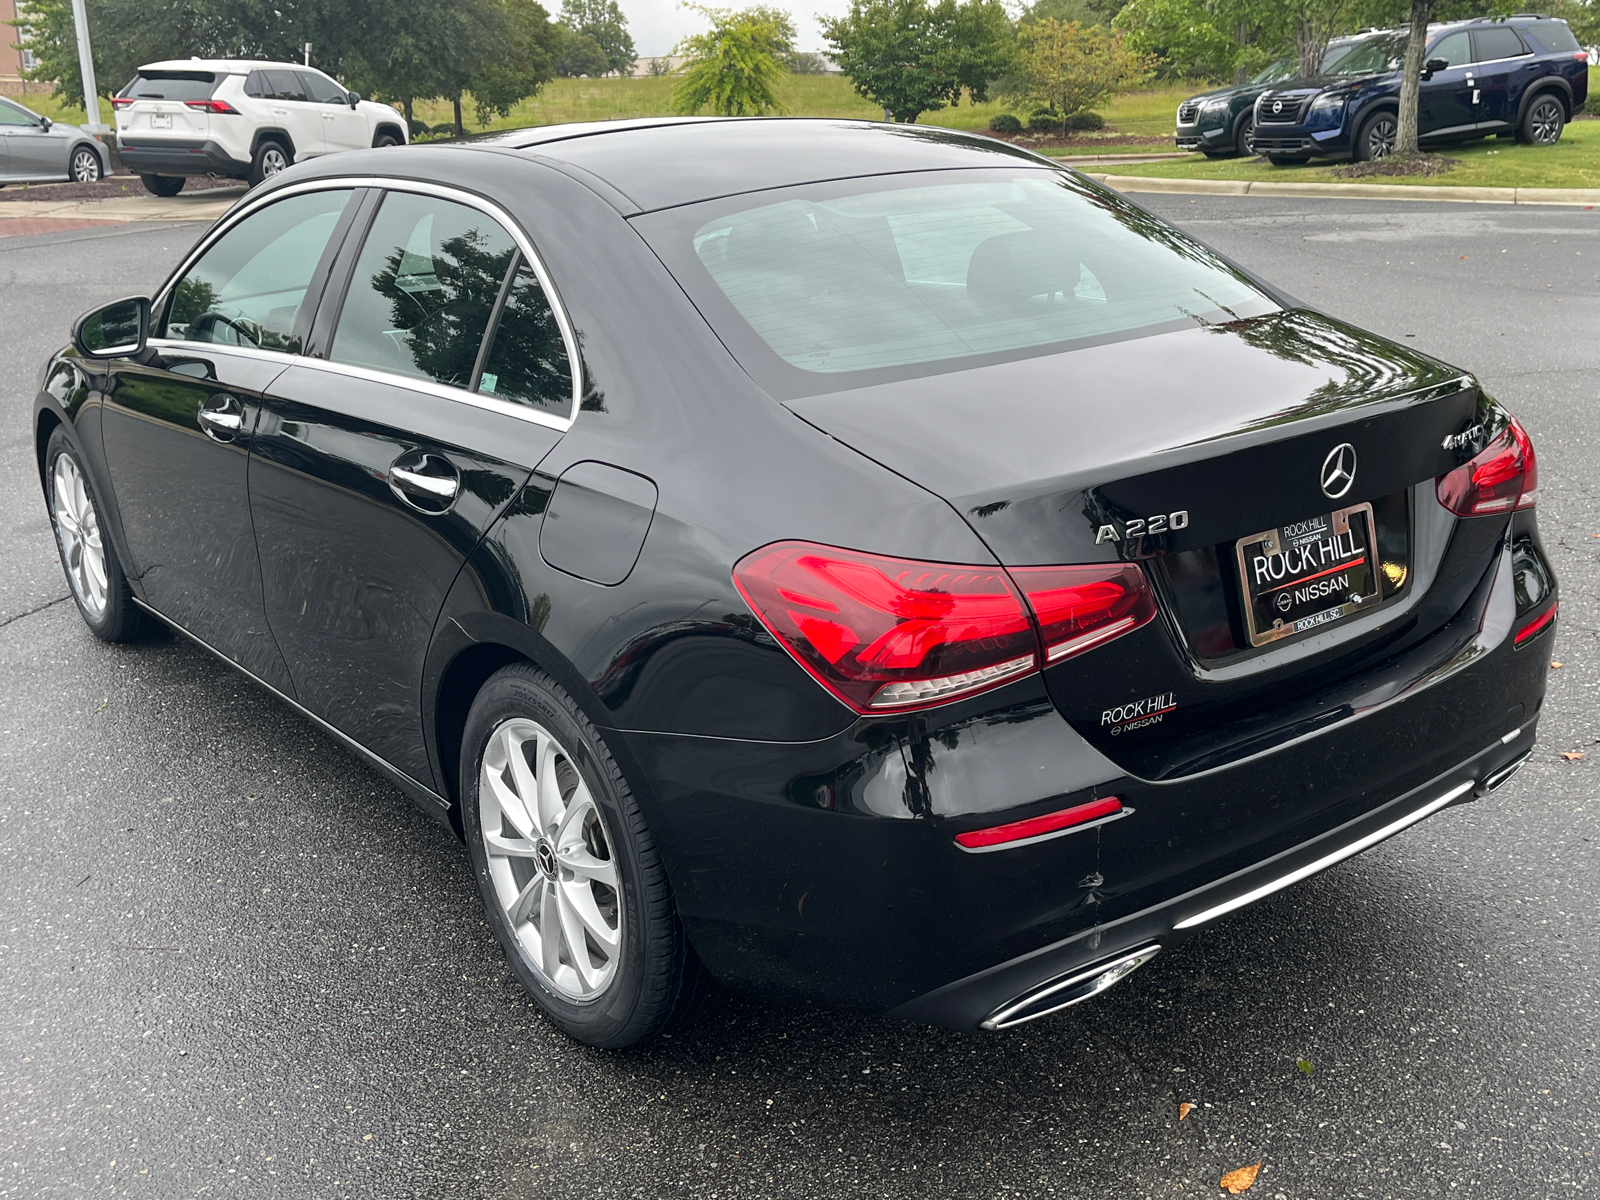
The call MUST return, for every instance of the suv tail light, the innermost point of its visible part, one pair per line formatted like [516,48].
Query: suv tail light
[890,634]
[1504,477]
[121,101]
[213,106]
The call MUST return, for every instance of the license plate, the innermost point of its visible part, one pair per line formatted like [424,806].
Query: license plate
[1307,574]
[160,120]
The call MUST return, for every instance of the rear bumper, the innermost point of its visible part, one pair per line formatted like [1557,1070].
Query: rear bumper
[179,157]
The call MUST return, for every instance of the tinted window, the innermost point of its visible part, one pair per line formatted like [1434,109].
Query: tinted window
[423,288]
[1496,43]
[881,275]
[171,85]
[247,288]
[1454,48]
[1555,35]
[285,85]
[10,114]
[527,360]
[255,84]
[321,89]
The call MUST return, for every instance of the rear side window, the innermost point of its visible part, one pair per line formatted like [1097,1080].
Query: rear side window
[172,85]
[248,287]
[424,286]
[1555,36]
[285,85]
[527,360]
[322,90]
[1495,43]
[866,280]
[256,86]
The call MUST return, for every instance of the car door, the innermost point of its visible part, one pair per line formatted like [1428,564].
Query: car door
[1446,103]
[342,127]
[382,458]
[291,108]
[1500,60]
[31,151]
[177,426]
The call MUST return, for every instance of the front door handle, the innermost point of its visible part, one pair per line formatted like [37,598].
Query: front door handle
[221,417]
[426,482]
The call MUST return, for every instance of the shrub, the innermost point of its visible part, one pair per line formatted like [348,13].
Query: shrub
[1043,121]
[1004,123]
[1086,121]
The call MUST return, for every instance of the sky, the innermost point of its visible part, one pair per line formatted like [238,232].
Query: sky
[656,25]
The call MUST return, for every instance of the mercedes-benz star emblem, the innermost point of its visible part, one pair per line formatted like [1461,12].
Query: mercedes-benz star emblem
[1339,471]
[545,855]
[1277,106]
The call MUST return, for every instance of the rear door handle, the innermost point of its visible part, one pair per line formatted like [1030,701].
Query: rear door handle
[221,417]
[426,482]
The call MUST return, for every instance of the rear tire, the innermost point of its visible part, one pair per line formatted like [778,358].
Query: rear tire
[385,140]
[572,884]
[162,185]
[1377,138]
[270,158]
[1542,124]
[99,588]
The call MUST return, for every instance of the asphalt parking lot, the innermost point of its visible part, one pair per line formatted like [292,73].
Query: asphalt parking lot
[236,963]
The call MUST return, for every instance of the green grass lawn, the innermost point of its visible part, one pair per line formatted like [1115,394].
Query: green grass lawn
[1494,162]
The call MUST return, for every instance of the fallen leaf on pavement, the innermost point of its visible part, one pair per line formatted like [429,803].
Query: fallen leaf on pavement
[1555,666]
[1235,1182]
[1305,1065]
[1184,1110]
[1572,755]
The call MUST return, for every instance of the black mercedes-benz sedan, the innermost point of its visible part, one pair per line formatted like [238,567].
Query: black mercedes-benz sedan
[853,562]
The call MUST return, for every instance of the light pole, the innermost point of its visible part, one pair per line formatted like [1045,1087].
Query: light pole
[91,94]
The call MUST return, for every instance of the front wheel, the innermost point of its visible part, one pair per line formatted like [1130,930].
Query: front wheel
[1247,137]
[98,585]
[1543,122]
[162,185]
[571,882]
[1378,136]
[85,166]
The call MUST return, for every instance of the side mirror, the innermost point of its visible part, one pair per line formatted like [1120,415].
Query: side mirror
[118,330]
[1434,65]
[45,123]
[355,99]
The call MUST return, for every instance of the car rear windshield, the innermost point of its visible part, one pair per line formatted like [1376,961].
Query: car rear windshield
[828,286]
[171,85]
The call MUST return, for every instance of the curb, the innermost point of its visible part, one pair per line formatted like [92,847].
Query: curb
[202,206]
[1584,197]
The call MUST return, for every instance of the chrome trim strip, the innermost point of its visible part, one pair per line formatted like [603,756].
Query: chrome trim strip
[1099,977]
[1045,837]
[249,204]
[1328,860]
[388,769]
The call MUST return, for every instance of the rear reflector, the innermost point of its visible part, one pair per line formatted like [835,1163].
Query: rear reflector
[1080,608]
[1504,477]
[1036,828]
[213,106]
[1536,626]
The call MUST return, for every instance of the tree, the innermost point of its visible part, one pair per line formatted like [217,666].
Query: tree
[911,57]
[524,64]
[578,54]
[602,21]
[1411,77]
[1315,23]
[1071,68]
[734,66]
[1207,39]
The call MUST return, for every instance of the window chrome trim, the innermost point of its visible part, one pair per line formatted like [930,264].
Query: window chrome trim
[524,244]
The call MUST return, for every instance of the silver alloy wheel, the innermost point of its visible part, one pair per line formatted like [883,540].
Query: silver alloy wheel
[78,535]
[550,859]
[85,165]
[1381,137]
[1545,122]
[273,160]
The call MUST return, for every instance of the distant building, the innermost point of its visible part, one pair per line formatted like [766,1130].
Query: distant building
[661,64]
[14,62]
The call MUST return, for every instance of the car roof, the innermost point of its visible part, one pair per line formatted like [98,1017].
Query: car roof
[662,163]
[226,66]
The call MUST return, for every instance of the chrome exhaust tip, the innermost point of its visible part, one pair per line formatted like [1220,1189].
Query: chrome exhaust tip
[1056,994]
[1495,778]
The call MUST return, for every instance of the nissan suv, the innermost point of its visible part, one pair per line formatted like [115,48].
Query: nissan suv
[1218,123]
[239,119]
[1522,77]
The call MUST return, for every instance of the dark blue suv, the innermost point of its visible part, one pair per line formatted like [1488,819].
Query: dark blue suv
[1524,76]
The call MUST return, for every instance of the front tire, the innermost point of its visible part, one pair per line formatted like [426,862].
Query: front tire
[1377,138]
[571,882]
[270,158]
[1543,122]
[162,185]
[98,585]
[85,166]
[1247,137]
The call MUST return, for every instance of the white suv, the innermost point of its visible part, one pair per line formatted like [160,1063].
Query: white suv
[239,119]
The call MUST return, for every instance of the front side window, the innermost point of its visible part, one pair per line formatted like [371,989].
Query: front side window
[322,90]
[1453,49]
[866,280]
[10,114]
[248,288]
[424,286]
[527,360]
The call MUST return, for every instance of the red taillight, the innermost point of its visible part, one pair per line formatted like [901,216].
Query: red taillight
[213,106]
[1083,607]
[1536,626]
[1502,478]
[121,101]
[891,634]
[1034,828]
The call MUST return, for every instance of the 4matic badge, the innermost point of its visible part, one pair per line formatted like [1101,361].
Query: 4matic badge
[1138,714]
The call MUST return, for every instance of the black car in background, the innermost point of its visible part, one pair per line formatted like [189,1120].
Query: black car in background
[1522,77]
[857,562]
[1219,122]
